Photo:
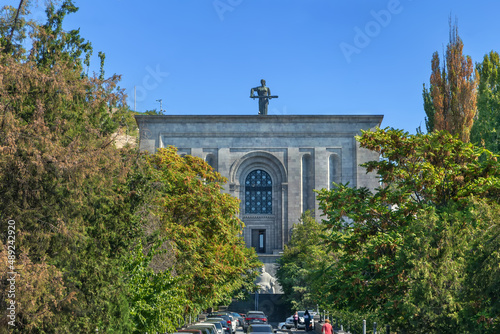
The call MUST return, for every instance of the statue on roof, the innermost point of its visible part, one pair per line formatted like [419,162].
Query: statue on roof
[264,95]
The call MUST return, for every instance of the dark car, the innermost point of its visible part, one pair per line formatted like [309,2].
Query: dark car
[260,329]
[254,317]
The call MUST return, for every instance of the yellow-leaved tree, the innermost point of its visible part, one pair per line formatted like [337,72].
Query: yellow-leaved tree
[450,103]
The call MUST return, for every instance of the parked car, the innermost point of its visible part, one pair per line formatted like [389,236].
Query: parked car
[204,325]
[301,324]
[254,317]
[218,325]
[282,325]
[193,331]
[225,327]
[260,329]
[226,316]
[238,317]
[289,323]
[234,322]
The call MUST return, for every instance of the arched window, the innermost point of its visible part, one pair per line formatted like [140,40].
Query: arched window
[258,193]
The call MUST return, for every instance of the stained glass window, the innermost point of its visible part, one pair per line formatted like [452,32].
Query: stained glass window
[258,193]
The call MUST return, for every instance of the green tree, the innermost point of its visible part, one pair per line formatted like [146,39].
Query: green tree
[429,109]
[201,225]
[486,129]
[157,300]
[452,91]
[482,283]
[82,206]
[400,251]
[65,185]
[433,260]
[153,112]
[304,257]
[14,28]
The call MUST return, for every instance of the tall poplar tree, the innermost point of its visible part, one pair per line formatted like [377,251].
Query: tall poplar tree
[452,90]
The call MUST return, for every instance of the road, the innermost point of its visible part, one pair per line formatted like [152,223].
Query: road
[239,330]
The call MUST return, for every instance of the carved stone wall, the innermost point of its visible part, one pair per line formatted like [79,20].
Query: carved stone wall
[299,153]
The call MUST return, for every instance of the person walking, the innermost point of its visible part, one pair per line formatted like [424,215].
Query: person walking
[296,319]
[307,320]
[327,328]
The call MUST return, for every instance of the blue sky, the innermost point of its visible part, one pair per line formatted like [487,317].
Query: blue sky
[319,56]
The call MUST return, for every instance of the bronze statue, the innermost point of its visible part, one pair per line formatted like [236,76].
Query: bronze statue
[263,94]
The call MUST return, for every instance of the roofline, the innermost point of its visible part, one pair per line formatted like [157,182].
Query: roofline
[258,118]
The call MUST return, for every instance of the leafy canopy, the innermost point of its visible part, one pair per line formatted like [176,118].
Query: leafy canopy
[486,129]
[202,226]
[402,251]
[304,258]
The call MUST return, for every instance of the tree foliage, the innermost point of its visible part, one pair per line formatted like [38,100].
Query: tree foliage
[452,91]
[65,185]
[194,256]
[157,299]
[486,129]
[429,109]
[403,251]
[304,258]
[482,284]
[14,28]
[83,208]
[202,227]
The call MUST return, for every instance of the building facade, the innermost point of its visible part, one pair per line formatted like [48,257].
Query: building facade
[272,163]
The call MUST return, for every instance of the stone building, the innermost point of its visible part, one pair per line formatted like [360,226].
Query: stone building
[272,163]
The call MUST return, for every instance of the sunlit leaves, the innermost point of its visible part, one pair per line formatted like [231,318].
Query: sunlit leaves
[432,168]
[203,226]
[157,300]
[402,251]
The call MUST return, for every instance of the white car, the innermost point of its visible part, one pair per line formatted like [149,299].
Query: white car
[208,325]
[234,322]
[301,323]
[217,323]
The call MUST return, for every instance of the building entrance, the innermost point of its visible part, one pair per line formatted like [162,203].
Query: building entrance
[259,240]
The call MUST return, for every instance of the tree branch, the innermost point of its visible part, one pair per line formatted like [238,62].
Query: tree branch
[9,40]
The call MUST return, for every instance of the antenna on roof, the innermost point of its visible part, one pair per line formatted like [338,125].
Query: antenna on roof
[160,100]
